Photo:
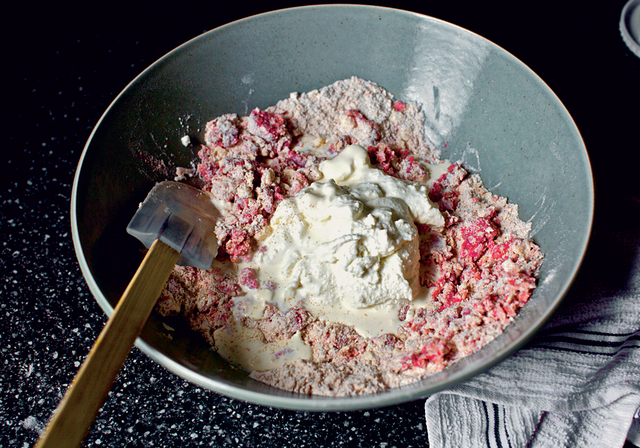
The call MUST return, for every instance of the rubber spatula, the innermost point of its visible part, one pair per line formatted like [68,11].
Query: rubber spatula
[176,222]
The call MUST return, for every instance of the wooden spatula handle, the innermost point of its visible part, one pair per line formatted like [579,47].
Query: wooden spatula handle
[79,407]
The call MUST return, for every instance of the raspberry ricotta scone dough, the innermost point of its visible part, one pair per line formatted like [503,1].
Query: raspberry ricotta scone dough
[475,271]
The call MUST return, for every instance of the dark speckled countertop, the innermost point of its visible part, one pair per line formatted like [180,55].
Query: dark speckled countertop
[65,66]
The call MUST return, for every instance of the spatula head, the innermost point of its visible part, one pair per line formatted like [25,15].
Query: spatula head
[182,217]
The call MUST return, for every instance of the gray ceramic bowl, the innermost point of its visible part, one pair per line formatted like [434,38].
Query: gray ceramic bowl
[483,107]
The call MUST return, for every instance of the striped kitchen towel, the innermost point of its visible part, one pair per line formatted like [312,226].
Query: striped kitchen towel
[576,384]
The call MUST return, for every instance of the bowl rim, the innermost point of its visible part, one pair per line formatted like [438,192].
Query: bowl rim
[319,403]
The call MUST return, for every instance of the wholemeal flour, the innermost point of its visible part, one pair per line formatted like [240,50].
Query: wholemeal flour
[352,258]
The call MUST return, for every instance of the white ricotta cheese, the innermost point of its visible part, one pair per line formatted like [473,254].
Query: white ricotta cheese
[346,246]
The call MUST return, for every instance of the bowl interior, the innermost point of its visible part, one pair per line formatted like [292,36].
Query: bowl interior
[483,107]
